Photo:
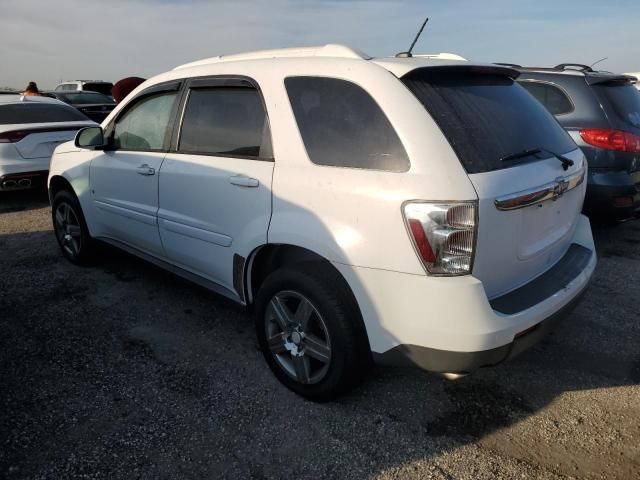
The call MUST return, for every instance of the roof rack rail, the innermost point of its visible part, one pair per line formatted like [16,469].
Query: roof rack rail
[503,64]
[578,66]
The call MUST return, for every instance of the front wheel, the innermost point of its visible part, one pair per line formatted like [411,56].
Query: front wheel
[70,228]
[310,332]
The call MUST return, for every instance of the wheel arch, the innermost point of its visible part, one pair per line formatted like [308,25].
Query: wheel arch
[267,258]
[58,183]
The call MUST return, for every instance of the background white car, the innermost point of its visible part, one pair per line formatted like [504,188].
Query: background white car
[31,128]
[99,86]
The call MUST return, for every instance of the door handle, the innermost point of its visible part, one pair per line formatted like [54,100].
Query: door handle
[145,169]
[243,181]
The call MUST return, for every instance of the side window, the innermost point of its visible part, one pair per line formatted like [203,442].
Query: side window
[342,126]
[145,125]
[551,97]
[225,121]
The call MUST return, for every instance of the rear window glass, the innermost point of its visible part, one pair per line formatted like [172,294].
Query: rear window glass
[226,121]
[86,98]
[38,113]
[625,102]
[486,117]
[550,96]
[104,88]
[342,126]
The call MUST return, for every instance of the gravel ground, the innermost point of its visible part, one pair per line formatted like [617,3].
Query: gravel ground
[124,371]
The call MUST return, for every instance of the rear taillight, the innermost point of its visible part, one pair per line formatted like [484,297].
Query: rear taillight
[15,136]
[611,139]
[443,235]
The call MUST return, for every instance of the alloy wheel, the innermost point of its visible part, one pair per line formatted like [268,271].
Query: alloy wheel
[68,229]
[297,337]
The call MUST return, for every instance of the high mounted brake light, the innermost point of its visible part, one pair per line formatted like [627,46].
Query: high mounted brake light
[443,234]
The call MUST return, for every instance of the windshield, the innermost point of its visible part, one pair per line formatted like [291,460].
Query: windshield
[14,113]
[625,103]
[100,87]
[86,98]
[486,116]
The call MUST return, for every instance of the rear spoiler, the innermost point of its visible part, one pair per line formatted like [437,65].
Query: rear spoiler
[488,69]
[610,79]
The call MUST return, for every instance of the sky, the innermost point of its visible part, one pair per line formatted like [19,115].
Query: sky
[48,41]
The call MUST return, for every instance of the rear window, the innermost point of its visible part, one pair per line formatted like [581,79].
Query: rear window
[486,117]
[342,126]
[104,88]
[625,102]
[38,113]
[86,98]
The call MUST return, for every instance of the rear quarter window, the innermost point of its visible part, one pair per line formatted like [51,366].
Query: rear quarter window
[552,97]
[342,125]
[39,113]
[486,116]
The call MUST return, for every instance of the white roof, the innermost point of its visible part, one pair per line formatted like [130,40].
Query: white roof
[28,99]
[328,51]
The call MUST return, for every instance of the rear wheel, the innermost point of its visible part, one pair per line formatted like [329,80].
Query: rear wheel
[70,228]
[310,332]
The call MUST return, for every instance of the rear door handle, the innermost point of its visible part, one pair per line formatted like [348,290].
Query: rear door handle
[243,181]
[145,169]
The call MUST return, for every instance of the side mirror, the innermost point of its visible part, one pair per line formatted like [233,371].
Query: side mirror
[91,138]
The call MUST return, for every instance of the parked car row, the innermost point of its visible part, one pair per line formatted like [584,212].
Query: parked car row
[430,217]
[419,211]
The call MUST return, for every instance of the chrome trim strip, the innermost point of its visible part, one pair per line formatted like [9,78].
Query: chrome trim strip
[534,196]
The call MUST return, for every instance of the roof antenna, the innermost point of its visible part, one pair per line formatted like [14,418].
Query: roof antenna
[601,60]
[408,54]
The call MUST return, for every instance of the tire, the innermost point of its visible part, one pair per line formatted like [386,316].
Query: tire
[310,331]
[70,228]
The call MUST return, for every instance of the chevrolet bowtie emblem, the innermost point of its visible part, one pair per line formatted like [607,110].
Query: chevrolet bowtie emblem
[562,186]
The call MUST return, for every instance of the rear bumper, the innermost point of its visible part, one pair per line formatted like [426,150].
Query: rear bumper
[443,361]
[449,325]
[23,180]
[612,194]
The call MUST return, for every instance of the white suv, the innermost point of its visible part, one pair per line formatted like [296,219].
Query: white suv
[410,211]
[99,86]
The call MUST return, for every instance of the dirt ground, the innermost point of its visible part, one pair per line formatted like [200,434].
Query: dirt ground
[124,371]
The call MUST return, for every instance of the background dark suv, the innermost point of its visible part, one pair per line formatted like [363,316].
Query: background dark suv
[601,112]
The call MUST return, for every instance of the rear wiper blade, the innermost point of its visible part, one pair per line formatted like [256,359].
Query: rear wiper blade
[566,162]
[522,154]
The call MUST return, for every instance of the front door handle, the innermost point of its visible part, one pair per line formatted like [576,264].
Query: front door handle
[145,169]
[243,181]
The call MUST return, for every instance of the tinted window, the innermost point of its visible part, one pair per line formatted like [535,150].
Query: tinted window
[551,97]
[625,102]
[145,125]
[342,126]
[38,113]
[85,98]
[225,121]
[104,88]
[486,117]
